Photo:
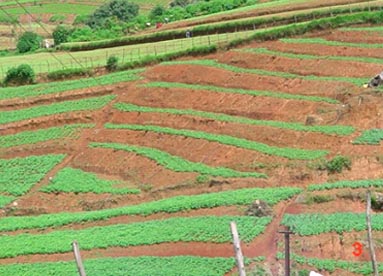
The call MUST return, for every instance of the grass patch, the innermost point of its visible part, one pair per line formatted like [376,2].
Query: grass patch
[138,266]
[176,163]
[322,41]
[42,135]
[216,64]
[193,229]
[354,184]
[241,91]
[77,181]
[369,137]
[336,129]
[4,200]
[18,175]
[168,205]
[55,108]
[290,153]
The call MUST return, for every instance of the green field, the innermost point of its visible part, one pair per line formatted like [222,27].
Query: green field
[175,163]
[290,153]
[337,129]
[370,137]
[138,266]
[19,175]
[322,41]
[4,200]
[199,229]
[255,93]
[54,108]
[354,184]
[168,205]
[42,135]
[77,181]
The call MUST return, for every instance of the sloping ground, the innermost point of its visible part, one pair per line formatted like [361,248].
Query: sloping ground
[161,164]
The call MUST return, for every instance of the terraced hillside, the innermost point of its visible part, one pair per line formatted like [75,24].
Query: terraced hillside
[146,168]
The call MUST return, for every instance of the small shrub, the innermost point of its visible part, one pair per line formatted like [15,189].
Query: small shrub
[67,73]
[57,18]
[61,34]
[202,178]
[23,74]
[318,199]
[338,163]
[112,63]
[28,42]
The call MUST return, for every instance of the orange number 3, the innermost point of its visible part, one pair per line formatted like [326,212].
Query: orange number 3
[358,249]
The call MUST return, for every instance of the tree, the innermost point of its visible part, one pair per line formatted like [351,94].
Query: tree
[157,11]
[61,34]
[122,10]
[23,74]
[28,41]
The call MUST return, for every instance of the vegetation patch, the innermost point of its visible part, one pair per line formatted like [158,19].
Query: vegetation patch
[290,153]
[67,73]
[323,41]
[77,181]
[315,224]
[214,63]
[241,91]
[336,129]
[370,137]
[176,163]
[18,175]
[354,184]
[180,229]
[55,108]
[4,200]
[42,135]
[138,266]
[168,205]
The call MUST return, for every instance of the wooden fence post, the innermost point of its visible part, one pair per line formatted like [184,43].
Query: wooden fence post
[237,249]
[77,256]
[369,234]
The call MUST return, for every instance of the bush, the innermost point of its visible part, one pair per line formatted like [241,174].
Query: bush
[338,163]
[66,73]
[61,34]
[81,19]
[28,41]
[157,11]
[23,74]
[112,63]
[57,18]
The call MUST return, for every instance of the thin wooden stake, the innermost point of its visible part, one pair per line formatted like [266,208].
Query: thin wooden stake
[80,266]
[237,249]
[369,235]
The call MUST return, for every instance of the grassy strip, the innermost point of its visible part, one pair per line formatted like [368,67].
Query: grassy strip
[323,41]
[241,91]
[370,137]
[364,29]
[55,108]
[56,87]
[4,200]
[18,175]
[180,229]
[216,64]
[310,57]
[336,129]
[330,265]
[138,266]
[168,205]
[77,181]
[176,163]
[290,153]
[354,184]
[42,135]
[315,224]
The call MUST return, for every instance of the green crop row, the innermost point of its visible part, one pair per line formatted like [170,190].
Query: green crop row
[123,266]
[354,184]
[365,29]
[56,87]
[255,93]
[290,153]
[42,135]
[18,175]
[236,69]
[336,129]
[192,229]
[4,200]
[315,224]
[330,265]
[169,205]
[55,108]
[309,57]
[322,41]
[77,181]
[176,163]
[370,137]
